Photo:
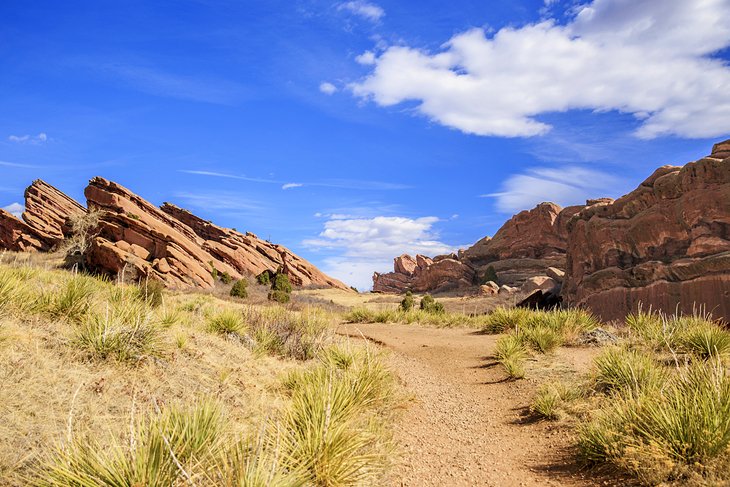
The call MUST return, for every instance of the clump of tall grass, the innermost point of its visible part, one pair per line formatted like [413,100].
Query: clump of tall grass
[151,292]
[705,340]
[502,319]
[540,338]
[510,351]
[622,369]
[330,432]
[667,433]
[124,333]
[13,295]
[226,322]
[73,301]
[170,448]
[552,400]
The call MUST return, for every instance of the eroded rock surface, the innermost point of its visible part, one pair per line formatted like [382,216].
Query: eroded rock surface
[665,245]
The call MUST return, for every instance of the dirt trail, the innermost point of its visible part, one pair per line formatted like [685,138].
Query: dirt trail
[466,425]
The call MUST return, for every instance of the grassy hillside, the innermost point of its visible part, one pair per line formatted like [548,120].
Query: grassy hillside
[109,384]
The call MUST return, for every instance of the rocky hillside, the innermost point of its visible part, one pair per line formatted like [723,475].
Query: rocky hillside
[665,245]
[127,234]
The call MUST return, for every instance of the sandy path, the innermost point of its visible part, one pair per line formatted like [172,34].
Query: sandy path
[466,426]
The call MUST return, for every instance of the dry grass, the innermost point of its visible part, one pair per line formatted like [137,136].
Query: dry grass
[82,359]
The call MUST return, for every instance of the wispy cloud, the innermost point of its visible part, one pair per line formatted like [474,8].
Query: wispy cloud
[292,185]
[327,88]
[356,184]
[172,85]
[364,245]
[29,139]
[15,209]
[15,164]
[565,186]
[367,10]
[221,201]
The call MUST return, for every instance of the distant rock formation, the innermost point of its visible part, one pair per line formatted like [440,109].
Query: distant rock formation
[250,255]
[131,236]
[665,245]
[525,247]
[45,222]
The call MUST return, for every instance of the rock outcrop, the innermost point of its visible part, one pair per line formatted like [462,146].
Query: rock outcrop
[665,245]
[249,255]
[45,222]
[526,246]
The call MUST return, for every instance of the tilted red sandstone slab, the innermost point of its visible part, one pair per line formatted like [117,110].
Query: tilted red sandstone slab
[18,236]
[250,255]
[136,237]
[666,244]
[48,211]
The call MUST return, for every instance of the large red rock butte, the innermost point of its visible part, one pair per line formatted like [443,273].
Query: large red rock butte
[665,245]
[45,222]
[131,237]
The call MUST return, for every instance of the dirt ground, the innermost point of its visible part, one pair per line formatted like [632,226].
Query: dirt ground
[466,425]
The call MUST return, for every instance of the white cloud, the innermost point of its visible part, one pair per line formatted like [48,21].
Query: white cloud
[365,245]
[633,56]
[367,10]
[327,88]
[565,186]
[29,139]
[367,58]
[15,209]
[292,185]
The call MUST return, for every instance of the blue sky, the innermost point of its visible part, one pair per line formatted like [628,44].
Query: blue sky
[353,131]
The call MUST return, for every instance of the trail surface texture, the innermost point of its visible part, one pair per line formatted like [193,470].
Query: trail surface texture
[466,425]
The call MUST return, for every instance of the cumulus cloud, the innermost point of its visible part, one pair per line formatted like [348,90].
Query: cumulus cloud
[366,10]
[565,186]
[15,209]
[327,88]
[364,245]
[29,139]
[633,56]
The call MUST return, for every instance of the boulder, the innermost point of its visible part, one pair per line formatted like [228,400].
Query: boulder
[542,283]
[18,236]
[665,245]
[49,211]
[489,288]
[249,255]
[555,274]
[405,264]
[505,289]
[541,300]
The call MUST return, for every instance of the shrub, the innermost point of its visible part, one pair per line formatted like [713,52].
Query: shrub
[430,305]
[279,296]
[73,301]
[354,289]
[277,331]
[226,322]
[151,291]
[226,278]
[504,319]
[408,302]
[552,399]
[489,275]
[264,278]
[281,283]
[359,315]
[541,338]
[240,289]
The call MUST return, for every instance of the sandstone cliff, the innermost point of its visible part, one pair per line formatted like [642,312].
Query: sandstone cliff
[665,245]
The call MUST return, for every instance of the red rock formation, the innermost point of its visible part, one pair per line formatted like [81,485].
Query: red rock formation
[423,274]
[136,238]
[665,245]
[48,210]
[45,220]
[18,236]
[250,255]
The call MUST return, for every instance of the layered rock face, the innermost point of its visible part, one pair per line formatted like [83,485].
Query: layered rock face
[424,274]
[46,220]
[136,238]
[665,245]
[250,255]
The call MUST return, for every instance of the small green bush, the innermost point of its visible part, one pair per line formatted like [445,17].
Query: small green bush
[408,302]
[264,278]
[281,283]
[430,305]
[240,289]
[226,278]
[279,296]
[489,275]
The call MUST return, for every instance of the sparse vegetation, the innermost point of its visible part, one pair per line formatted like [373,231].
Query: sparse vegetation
[264,278]
[151,292]
[226,278]
[226,322]
[510,351]
[407,303]
[430,305]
